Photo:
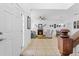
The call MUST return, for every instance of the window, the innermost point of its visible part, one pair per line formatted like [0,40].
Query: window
[76,24]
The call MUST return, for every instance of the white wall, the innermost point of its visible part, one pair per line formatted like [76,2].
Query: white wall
[74,11]
[27,33]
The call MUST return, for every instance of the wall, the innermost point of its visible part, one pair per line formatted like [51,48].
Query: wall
[27,33]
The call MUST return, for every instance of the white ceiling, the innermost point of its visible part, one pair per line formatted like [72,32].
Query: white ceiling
[17,8]
[45,5]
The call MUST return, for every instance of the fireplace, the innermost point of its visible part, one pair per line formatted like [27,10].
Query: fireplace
[40,32]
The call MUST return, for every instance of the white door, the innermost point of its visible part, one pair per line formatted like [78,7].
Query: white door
[11,28]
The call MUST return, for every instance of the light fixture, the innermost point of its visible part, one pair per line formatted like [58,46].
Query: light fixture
[42,17]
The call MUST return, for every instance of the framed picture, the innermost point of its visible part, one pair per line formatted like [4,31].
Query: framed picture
[54,25]
[50,25]
[28,22]
[57,25]
[77,24]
